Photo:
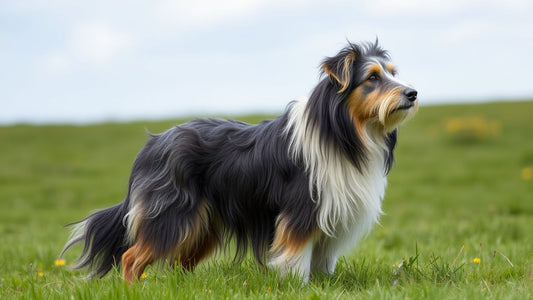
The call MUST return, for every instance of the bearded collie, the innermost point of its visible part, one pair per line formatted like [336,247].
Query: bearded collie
[299,190]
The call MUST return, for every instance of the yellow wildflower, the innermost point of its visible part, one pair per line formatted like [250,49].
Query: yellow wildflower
[143,276]
[476,260]
[454,125]
[40,274]
[59,262]
[526,173]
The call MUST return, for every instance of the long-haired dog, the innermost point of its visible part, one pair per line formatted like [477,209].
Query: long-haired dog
[300,189]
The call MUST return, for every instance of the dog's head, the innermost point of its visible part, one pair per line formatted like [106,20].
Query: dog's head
[368,81]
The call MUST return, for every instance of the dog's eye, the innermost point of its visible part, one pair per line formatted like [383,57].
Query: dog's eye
[373,77]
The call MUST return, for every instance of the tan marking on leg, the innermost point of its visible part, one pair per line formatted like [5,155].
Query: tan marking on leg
[291,252]
[135,260]
[285,240]
[200,240]
[128,258]
[203,249]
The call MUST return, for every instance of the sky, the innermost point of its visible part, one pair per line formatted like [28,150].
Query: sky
[80,61]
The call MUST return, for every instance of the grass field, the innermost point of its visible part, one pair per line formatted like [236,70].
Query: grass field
[458,223]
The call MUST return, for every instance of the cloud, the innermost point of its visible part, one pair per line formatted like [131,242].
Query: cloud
[89,44]
[97,43]
[55,63]
[437,7]
[203,12]
[206,13]
[463,31]
[393,7]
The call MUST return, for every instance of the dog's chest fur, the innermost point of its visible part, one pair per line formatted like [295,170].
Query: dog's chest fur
[348,199]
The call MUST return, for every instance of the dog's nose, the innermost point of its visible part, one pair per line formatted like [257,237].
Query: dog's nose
[410,94]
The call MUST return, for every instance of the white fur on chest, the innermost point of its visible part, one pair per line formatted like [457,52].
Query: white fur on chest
[349,200]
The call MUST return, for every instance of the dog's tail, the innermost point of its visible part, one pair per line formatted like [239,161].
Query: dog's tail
[104,236]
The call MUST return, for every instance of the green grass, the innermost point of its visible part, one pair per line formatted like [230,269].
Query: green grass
[459,191]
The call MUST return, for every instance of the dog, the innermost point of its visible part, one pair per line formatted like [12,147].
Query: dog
[299,190]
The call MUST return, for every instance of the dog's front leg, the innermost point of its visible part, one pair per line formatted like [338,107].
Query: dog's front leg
[298,263]
[325,255]
[292,250]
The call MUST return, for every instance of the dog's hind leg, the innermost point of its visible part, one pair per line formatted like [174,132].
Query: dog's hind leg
[190,254]
[179,234]
[201,240]
[136,259]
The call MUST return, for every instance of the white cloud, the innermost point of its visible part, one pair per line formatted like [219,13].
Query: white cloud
[55,63]
[391,7]
[98,43]
[95,44]
[438,7]
[205,13]
[463,31]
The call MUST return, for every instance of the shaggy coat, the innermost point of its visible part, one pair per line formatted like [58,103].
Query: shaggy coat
[298,190]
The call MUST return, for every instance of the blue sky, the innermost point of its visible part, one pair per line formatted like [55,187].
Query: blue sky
[88,61]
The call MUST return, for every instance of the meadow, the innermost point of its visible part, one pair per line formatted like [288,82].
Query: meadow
[458,222]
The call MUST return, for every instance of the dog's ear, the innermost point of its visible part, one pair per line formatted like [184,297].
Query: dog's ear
[339,68]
